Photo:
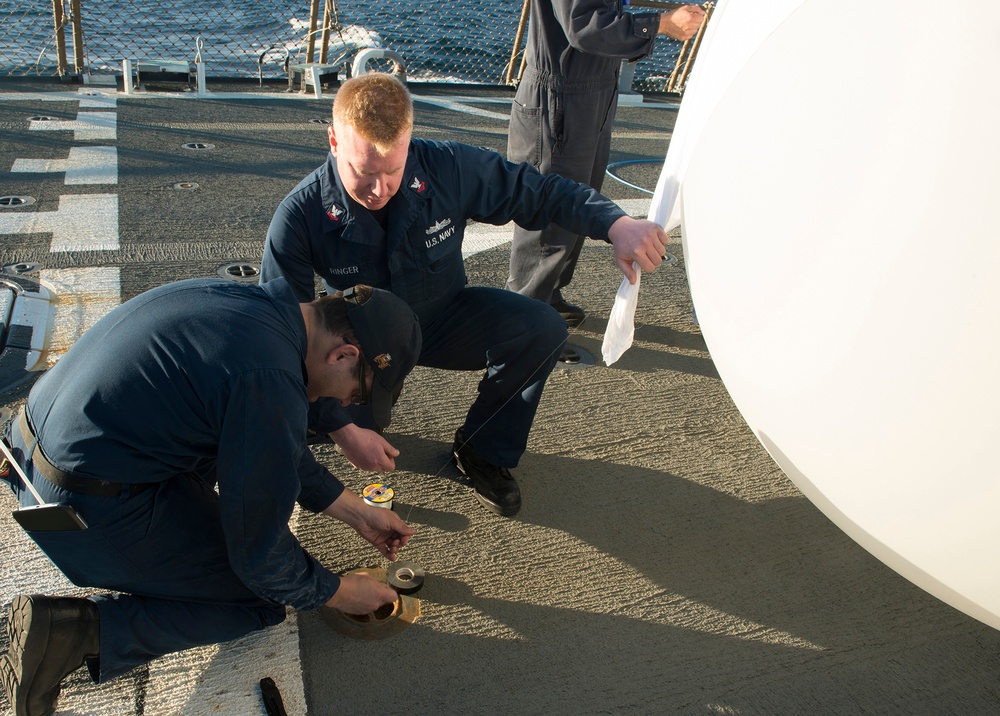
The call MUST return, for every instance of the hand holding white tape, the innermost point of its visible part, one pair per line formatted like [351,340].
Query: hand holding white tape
[621,323]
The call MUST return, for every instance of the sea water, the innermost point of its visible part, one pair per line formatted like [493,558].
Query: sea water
[445,40]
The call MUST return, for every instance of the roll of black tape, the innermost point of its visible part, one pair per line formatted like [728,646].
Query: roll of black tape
[405,577]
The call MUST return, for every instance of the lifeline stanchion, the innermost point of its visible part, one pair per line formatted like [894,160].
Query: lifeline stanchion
[127,76]
[200,66]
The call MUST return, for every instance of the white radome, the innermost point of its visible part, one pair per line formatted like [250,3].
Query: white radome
[836,172]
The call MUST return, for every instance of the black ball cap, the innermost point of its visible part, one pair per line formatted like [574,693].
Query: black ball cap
[390,339]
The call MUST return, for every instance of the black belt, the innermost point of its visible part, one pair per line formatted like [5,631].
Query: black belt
[80,485]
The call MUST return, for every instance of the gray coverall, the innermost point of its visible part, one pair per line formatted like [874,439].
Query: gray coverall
[562,116]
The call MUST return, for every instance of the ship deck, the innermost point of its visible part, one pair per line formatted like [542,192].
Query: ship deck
[662,562]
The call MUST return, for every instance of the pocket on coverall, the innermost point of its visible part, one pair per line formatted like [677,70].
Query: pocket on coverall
[524,143]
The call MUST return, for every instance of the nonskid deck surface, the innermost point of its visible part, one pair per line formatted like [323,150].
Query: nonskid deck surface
[661,562]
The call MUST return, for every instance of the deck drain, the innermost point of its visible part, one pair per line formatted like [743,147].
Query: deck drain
[197,145]
[42,118]
[583,358]
[21,268]
[387,621]
[320,121]
[240,271]
[16,200]
[669,260]
[186,185]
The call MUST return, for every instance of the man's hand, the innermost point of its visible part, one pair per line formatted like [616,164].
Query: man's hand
[639,240]
[682,23]
[382,527]
[365,449]
[361,593]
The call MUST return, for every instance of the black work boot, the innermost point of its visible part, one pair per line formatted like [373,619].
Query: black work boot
[572,314]
[50,637]
[495,489]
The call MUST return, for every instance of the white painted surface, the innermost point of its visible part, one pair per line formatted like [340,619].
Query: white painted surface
[842,258]
[98,99]
[84,165]
[82,297]
[86,127]
[83,222]
[483,237]
[735,32]
[458,105]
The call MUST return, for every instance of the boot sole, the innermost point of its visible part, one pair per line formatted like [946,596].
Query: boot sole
[28,631]
[484,501]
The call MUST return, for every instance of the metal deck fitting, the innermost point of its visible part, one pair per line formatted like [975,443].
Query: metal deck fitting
[25,307]
[381,624]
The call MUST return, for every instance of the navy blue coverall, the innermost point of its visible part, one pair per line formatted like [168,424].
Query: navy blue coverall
[319,229]
[191,385]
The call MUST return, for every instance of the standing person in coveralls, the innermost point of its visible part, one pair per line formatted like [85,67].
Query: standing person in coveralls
[391,211]
[174,430]
[562,117]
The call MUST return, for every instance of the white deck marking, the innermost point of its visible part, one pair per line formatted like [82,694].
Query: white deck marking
[39,96]
[85,165]
[458,106]
[83,222]
[83,296]
[634,207]
[87,126]
[88,98]
[482,237]
[94,99]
